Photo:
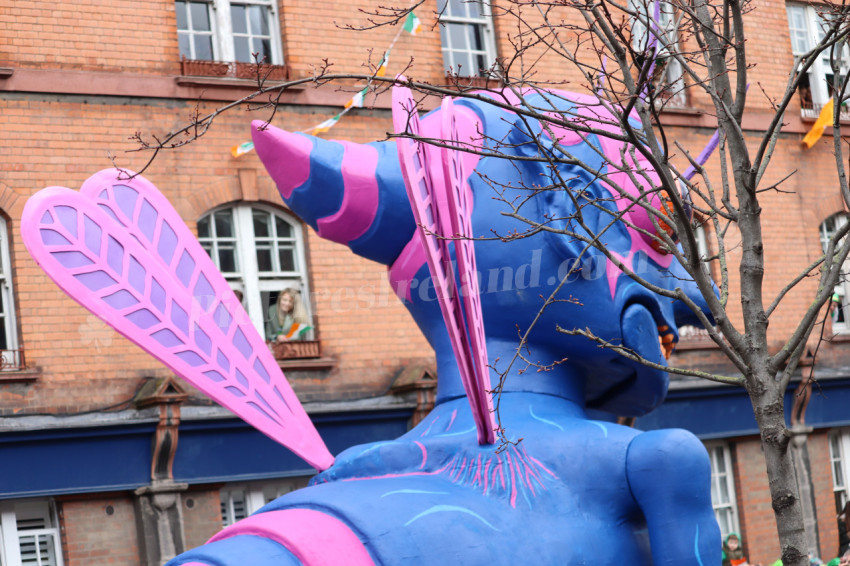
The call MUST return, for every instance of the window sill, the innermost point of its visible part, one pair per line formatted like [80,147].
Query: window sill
[6,72]
[23,375]
[309,364]
[230,71]
[840,335]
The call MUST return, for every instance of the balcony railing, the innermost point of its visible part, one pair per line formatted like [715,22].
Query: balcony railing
[810,110]
[12,360]
[233,70]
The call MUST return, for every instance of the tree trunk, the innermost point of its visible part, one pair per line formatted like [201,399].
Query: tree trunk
[767,400]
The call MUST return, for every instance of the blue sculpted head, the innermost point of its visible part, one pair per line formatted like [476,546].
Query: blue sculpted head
[526,213]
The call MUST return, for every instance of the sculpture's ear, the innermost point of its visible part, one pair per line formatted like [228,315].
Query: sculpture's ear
[349,193]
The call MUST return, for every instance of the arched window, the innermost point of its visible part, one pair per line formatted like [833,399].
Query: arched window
[841,297]
[260,252]
[11,358]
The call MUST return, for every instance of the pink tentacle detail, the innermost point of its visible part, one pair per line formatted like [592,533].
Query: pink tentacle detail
[291,169]
[360,198]
[487,475]
[315,538]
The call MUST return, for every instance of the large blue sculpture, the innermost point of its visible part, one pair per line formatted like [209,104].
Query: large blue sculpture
[568,490]
[574,490]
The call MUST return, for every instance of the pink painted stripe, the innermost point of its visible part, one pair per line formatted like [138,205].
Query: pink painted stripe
[315,538]
[404,268]
[424,453]
[285,155]
[360,198]
[513,483]
[452,420]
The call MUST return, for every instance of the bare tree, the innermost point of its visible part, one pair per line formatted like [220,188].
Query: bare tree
[634,58]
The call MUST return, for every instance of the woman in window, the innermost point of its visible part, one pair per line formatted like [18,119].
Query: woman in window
[287,318]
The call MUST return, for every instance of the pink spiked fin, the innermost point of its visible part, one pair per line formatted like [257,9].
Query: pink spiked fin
[153,283]
[460,213]
[429,195]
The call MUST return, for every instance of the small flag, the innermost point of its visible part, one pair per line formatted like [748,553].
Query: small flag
[412,24]
[324,126]
[357,100]
[382,70]
[824,120]
[242,149]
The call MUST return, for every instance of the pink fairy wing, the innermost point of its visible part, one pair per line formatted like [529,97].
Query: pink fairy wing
[425,185]
[460,212]
[179,314]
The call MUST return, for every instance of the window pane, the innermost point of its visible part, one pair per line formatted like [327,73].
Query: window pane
[226,259]
[441,6]
[456,8]
[457,35]
[264,259]
[262,229]
[720,460]
[183,18]
[259,23]
[242,48]
[4,344]
[477,41]
[238,16]
[724,491]
[480,66]
[200,16]
[262,47]
[464,64]
[224,224]
[203,47]
[284,230]
[474,9]
[204,227]
[185,45]
[287,259]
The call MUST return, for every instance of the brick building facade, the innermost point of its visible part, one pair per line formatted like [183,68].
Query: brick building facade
[77,412]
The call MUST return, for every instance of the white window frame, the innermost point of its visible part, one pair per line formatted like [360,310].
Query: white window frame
[222,28]
[248,279]
[488,36]
[719,452]
[805,29]
[839,464]
[12,512]
[253,496]
[673,75]
[841,313]
[10,354]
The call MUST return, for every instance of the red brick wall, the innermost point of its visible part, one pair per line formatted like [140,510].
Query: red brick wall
[201,515]
[758,525]
[93,537]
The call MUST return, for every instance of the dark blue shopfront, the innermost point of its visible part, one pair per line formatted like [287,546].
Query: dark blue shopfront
[117,457]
